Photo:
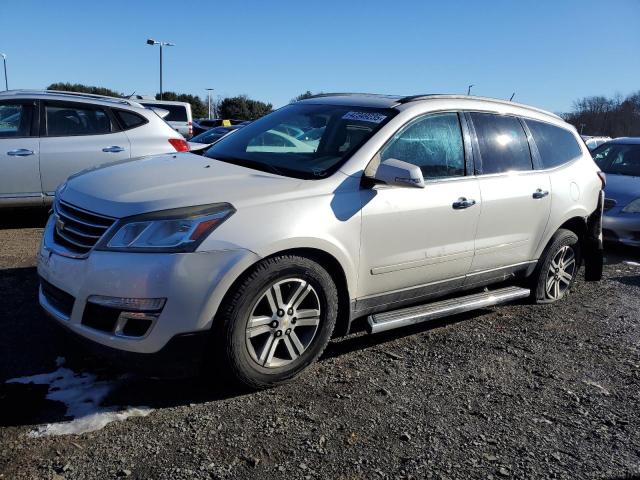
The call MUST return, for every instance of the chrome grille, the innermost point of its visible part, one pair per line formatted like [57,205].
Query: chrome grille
[77,229]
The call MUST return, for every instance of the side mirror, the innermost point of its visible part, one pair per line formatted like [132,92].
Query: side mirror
[400,174]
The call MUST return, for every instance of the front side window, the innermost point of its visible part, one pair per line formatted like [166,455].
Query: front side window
[15,120]
[503,143]
[618,159]
[555,145]
[433,143]
[72,119]
[302,140]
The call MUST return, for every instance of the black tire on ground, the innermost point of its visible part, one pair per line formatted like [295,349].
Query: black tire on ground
[557,268]
[230,329]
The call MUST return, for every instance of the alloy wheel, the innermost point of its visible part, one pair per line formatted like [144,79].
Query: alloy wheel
[283,323]
[561,272]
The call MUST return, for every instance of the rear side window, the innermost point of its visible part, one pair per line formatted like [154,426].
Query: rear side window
[177,113]
[556,145]
[433,143]
[72,119]
[15,119]
[129,120]
[503,143]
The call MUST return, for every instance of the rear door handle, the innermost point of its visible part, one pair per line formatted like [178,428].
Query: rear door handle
[20,152]
[113,149]
[462,202]
[539,193]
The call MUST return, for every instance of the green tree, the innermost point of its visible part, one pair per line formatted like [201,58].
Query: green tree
[78,87]
[199,108]
[243,108]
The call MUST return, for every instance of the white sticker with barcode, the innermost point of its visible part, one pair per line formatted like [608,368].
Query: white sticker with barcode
[372,117]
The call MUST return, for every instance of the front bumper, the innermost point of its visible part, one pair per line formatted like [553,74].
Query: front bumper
[622,228]
[193,284]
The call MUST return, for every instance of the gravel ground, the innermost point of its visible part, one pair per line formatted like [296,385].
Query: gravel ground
[517,391]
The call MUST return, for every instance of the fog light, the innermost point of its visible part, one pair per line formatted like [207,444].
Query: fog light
[135,304]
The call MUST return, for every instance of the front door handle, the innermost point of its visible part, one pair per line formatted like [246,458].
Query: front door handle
[113,149]
[539,193]
[462,202]
[20,152]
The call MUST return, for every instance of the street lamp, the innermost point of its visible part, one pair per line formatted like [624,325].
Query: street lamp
[4,60]
[469,89]
[209,90]
[151,41]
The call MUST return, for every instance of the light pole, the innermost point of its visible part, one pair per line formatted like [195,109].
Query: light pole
[151,41]
[469,89]
[4,60]
[209,90]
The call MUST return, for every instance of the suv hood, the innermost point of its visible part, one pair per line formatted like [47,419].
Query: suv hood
[172,181]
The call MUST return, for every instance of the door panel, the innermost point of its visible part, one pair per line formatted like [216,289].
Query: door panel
[19,166]
[516,199]
[61,157]
[512,221]
[413,236]
[19,149]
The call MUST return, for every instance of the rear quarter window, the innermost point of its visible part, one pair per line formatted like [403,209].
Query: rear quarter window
[129,120]
[556,145]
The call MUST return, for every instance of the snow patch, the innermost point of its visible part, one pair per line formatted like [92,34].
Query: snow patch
[82,393]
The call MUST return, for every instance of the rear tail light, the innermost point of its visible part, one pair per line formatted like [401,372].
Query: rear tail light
[603,179]
[180,144]
[190,128]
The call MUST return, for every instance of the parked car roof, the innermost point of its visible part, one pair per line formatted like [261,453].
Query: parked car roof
[64,95]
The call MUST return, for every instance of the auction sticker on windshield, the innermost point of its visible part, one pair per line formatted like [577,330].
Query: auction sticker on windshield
[372,117]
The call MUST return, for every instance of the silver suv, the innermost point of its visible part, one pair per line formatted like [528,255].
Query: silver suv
[330,214]
[45,136]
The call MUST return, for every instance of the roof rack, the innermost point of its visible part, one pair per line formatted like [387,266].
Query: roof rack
[347,94]
[104,98]
[415,98]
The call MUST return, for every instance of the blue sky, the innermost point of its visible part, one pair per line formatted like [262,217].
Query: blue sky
[550,52]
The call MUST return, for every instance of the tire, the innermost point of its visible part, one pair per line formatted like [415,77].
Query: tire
[557,268]
[260,339]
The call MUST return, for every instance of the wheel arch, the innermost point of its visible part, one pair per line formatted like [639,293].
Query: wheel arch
[323,258]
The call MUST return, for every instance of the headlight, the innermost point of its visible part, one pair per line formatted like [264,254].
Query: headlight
[177,230]
[633,207]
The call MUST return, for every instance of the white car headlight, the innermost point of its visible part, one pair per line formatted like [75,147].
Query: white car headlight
[177,230]
[633,207]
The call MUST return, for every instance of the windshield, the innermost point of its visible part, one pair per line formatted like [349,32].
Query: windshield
[618,159]
[302,140]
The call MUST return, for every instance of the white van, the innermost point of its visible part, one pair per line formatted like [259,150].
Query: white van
[179,117]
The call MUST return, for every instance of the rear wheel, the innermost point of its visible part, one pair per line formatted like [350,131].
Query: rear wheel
[557,268]
[278,321]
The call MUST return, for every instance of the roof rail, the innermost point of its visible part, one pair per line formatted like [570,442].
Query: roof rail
[347,94]
[415,98]
[94,96]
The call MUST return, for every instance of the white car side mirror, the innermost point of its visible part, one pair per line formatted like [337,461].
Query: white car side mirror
[400,174]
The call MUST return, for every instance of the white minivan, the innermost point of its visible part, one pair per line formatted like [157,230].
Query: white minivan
[385,212]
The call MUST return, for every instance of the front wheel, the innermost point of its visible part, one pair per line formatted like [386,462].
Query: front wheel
[557,268]
[277,321]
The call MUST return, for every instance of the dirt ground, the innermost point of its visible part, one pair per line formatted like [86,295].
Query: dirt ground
[517,391]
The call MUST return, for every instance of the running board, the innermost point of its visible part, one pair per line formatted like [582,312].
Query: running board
[380,322]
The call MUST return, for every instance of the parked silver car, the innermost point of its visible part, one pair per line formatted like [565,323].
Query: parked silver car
[45,136]
[619,159]
[258,252]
